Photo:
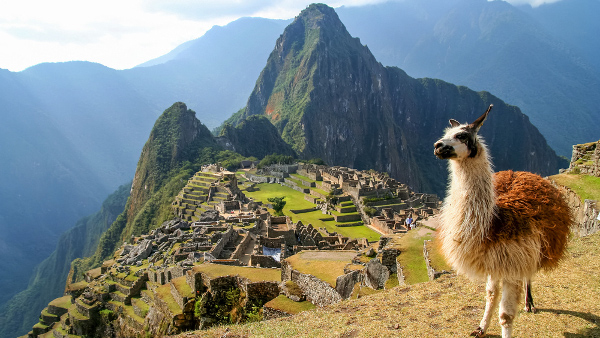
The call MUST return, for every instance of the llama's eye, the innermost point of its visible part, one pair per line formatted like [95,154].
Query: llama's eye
[461,136]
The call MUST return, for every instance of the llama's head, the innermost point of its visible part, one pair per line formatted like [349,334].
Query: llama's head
[460,141]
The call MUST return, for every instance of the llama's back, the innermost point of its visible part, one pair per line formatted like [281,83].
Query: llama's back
[528,203]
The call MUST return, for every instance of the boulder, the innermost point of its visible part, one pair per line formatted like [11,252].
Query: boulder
[376,274]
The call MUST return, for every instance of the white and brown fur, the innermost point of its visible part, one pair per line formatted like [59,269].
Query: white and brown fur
[503,227]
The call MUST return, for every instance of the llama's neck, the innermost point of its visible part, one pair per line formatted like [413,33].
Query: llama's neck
[470,204]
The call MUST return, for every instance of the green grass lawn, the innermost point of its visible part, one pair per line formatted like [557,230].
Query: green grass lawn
[411,257]
[295,200]
[587,187]
[62,302]
[287,305]
[297,176]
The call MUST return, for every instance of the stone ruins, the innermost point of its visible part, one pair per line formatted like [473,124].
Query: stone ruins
[220,238]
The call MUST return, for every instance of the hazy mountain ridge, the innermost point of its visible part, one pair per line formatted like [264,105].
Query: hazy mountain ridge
[48,279]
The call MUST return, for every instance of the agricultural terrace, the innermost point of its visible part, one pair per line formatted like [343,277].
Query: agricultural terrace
[325,265]
[295,200]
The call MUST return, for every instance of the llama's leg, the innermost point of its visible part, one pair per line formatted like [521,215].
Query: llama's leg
[529,307]
[491,302]
[511,294]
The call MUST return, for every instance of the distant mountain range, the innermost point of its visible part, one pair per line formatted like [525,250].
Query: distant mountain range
[75,129]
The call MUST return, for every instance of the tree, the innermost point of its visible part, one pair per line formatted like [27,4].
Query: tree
[278,203]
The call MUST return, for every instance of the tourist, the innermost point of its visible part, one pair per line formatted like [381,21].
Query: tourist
[409,222]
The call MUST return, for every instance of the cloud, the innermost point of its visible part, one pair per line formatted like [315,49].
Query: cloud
[273,9]
[121,34]
[532,3]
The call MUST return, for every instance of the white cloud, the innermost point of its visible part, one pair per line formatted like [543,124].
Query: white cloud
[533,3]
[121,34]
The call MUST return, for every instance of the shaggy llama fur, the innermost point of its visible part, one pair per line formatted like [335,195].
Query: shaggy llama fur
[504,227]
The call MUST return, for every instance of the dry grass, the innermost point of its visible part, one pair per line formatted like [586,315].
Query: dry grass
[452,306]
[253,274]
[325,265]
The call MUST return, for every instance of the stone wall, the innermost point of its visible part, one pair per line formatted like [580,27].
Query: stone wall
[261,292]
[585,214]
[381,225]
[217,248]
[270,313]
[241,248]
[317,291]
[431,271]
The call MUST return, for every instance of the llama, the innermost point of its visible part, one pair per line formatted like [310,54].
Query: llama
[503,227]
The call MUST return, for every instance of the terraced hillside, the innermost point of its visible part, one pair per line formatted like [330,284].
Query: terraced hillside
[203,191]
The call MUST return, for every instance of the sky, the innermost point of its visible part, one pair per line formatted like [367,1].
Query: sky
[124,33]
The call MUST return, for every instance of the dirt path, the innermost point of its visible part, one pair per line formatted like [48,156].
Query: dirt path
[431,222]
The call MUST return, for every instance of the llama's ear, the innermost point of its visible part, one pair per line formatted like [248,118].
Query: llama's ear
[479,122]
[454,123]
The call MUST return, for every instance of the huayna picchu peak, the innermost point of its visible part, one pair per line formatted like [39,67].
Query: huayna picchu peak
[329,98]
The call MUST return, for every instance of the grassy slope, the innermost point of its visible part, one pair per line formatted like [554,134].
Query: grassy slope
[295,200]
[587,187]
[452,306]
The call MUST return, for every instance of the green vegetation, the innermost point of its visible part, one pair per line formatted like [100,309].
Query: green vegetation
[255,136]
[62,302]
[436,259]
[392,282]
[278,203]
[275,159]
[295,201]
[182,287]
[587,187]
[282,303]
[164,292]
[411,257]
[107,315]
[293,288]
[370,211]
[224,306]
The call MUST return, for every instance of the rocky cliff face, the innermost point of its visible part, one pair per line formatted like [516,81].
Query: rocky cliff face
[255,136]
[329,98]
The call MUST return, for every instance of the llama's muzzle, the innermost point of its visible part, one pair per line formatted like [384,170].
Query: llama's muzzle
[442,151]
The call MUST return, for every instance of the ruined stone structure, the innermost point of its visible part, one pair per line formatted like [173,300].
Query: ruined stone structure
[212,188]
[586,159]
